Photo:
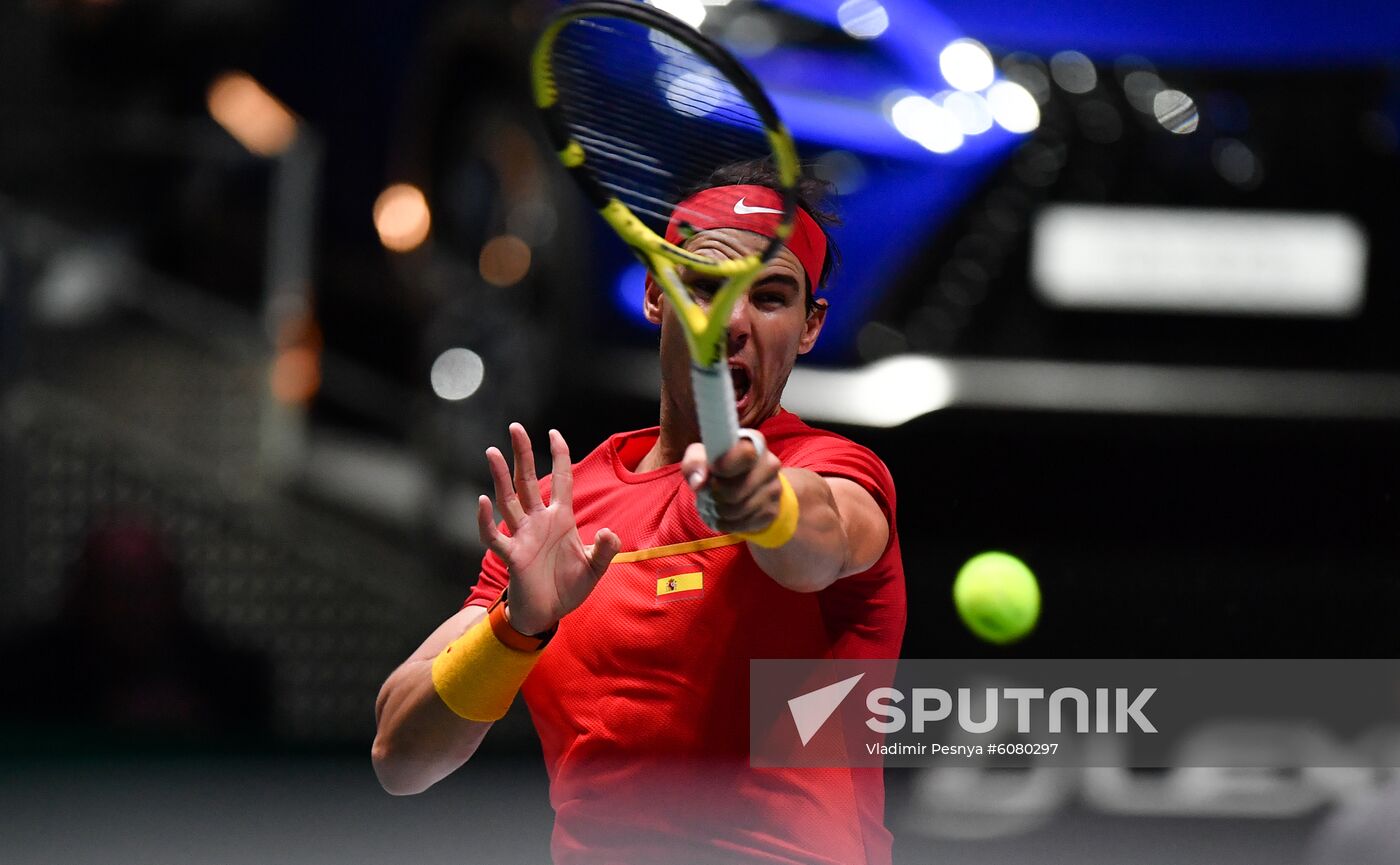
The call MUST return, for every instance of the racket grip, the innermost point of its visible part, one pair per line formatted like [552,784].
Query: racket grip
[714,408]
[719,423]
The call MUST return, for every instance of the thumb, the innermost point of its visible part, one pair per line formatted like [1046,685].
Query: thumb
[605,545]
[695,468]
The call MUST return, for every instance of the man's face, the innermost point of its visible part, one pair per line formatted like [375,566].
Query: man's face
[769,327]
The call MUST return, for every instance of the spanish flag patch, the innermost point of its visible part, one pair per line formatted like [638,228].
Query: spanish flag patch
[680,586]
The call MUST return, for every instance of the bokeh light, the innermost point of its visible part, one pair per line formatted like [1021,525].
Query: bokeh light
[504,261]
[296,374]
[1141,87]
[1013,107]
[667,45]
[253,116]
[966,65]
[972,111]
[1176,112]
[921,119]
[863,19]
[1074,72]
[1028,71]
[1237,163]
[457,374]
[629,292]
[694,94]
[402,217]
[751,35]
[691,12]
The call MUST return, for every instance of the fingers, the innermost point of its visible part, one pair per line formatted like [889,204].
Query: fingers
[737,461]
[562,492]
[505,489]
[491,537]
[753,514]
[695,468]
[748,502]
[606,544]
[735,490]
[515,495]
[743,484]
[527,486]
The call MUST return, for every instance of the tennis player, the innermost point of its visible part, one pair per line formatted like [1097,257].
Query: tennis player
[632,651]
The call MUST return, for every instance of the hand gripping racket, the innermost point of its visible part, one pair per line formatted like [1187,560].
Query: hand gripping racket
[642,109]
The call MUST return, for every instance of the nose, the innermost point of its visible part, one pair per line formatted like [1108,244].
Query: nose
[739,325]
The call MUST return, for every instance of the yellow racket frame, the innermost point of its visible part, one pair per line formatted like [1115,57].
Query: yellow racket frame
[705,325]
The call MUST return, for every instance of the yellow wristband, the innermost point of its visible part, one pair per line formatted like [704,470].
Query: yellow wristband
[784,525]
[477,676]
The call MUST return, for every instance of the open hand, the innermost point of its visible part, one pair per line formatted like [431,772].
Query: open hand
[551,570]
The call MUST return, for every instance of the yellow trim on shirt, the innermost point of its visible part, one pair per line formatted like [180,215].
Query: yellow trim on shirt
[677,549]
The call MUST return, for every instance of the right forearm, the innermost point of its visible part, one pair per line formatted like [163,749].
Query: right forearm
[419,740]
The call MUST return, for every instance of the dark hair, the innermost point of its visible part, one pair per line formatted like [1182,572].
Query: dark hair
[811,196]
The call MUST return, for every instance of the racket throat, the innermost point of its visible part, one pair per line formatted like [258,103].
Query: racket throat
[719,423]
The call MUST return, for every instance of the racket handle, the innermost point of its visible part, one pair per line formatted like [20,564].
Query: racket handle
[714,408]
[719,423]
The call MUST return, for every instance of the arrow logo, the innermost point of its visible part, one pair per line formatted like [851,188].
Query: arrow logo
[811,710]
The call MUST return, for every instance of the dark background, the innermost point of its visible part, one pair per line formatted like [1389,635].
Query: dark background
[231,503]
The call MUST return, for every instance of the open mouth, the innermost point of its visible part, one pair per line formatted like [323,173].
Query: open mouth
[742,383]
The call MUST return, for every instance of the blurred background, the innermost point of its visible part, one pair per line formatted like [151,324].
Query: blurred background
[1119,293]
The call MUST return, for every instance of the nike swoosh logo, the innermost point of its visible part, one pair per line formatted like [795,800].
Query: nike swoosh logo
[742,209]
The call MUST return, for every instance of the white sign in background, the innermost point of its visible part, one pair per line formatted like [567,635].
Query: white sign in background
[1198,260]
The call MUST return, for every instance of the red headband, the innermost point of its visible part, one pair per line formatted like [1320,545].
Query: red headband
[752,208]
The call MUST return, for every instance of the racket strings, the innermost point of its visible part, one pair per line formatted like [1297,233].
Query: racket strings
[628,170]
[706,89]
[654,118]
[663,210]
[631,100]
[587,107]
[617,163]
[597,142]
[711,90]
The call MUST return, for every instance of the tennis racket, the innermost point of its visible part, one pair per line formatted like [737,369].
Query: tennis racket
[642,109]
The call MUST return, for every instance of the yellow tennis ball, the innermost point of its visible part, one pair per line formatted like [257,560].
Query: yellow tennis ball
[997,597]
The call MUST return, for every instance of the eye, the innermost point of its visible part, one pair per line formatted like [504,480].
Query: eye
[772,294]
[703,286]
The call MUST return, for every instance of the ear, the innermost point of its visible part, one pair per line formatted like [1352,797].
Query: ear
[653,301]
[812,327]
